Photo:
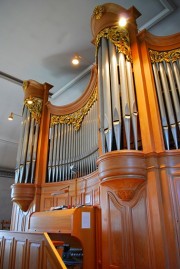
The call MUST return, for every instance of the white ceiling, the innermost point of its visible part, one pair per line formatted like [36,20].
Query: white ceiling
[38,40]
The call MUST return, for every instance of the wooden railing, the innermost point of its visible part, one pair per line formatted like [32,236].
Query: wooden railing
[28,250]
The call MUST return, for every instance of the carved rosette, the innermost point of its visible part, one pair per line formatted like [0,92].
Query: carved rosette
[77,117]
[35,108]
[119,37]
[167,56]
[98,12]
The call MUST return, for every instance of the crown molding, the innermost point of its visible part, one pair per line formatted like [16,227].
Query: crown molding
[168,9]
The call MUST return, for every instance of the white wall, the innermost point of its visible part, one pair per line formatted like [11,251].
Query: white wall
[72,93]
[5,198]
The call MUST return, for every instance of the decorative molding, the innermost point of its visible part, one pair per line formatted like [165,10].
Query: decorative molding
[168,9]
[35,108]
[77,117]
[167,56]
[119,37]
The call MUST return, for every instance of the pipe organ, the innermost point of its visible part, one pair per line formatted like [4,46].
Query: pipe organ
[116,148]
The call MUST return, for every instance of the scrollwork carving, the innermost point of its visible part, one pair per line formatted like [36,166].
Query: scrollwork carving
[167,56]
[98,12]
[77,117]
[119,37]
[35,108]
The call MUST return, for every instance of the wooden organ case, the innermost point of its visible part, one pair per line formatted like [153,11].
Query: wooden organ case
[116,148]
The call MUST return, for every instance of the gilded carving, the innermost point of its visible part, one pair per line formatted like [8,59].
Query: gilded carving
[25,85]
[35,108]
[119,37]
[167,56]
[98,12]
[77,117]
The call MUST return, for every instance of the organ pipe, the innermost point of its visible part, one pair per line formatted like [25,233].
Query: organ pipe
[166,74]
[117,90]
[69,147]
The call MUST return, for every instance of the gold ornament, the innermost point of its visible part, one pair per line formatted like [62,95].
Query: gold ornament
[167,56]
[119,37]
[77,117]
[35,108]
[98,12]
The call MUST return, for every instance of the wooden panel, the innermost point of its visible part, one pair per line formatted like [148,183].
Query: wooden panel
[117,234]
[19,262]
[28,250]
[7,255]
[140,234]
[176,189]
[34,260]
[125,231]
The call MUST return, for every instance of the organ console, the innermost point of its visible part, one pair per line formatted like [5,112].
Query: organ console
[116,147]
[75,227]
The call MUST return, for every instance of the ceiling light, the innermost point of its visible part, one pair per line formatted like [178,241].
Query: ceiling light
[11,116]
[76,60]
[122,21]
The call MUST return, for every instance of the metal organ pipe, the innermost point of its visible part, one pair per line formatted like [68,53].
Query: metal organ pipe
[177,75]
[101,97]
[133,106]
[174,92]
[17,171]
[125,97]
[168,103]
[161,105]
[27,149]
[166,70]
[75,148]
[24,147]
[116,109]
[107,95]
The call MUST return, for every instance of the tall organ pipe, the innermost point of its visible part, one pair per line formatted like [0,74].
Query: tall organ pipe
[116,112]
[17,172]
[177,75]
[161,105]
[107,95]
[124,96]
[29,150]
[174,92]
[34,151]
[133,106]
[168,103]
[101,97]
[24,147]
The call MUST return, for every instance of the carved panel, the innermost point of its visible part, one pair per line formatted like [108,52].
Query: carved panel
[125,230]
[96,196]
[117,233]
[48,203]
[34,254]
[140,233]
[6,262]
[19,262]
